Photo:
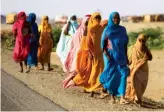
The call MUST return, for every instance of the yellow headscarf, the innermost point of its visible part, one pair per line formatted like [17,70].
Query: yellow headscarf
[45,25]
[92,21]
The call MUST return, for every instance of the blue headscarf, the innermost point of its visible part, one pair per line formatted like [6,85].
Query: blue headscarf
[31,18]
[112,27]
[116,34]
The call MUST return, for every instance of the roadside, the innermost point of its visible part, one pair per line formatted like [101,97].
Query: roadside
[16,96]
[49,85]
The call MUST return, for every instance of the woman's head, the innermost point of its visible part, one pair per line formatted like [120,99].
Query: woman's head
[45,20]
[21,16]
[31,17]
[73,18]
[142,39]
[115,18]
[94,20]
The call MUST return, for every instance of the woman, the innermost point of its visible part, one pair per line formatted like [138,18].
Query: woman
[22,34]
[81,52]
[138,55]
[70,62]
[90,68]
[64,43]
[45,43]
[114,45]
[32,59]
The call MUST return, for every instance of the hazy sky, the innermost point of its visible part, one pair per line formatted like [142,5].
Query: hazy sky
[82,7]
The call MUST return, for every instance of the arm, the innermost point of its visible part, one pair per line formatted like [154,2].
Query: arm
[126,45]
[14,30]
[52,40]
[67,28]
[150,57]
[104,42]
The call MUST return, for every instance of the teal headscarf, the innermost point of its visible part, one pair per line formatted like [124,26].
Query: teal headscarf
[31,18]
[111,25]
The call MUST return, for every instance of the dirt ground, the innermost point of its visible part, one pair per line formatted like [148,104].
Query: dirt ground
[49,84]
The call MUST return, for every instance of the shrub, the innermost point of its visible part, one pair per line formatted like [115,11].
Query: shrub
[56,35]
[155,37]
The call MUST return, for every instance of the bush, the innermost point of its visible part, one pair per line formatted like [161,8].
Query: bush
[155,37]
[56,35]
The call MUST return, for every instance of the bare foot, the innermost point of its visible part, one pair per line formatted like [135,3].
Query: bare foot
[36,68]
[123,101]
[103,95]
[112,100]
[27,71]
[41,68]
[20,71]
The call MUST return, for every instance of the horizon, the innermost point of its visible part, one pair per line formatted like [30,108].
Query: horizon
[54,7]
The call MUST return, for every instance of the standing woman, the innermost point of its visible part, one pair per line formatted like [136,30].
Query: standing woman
[92,64]
[114,45]
[70,62]
[22,33]
[45,43]
[64,43]
[138,55]
[32,59]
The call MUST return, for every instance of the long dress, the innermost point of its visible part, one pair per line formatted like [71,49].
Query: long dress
[45,44]
[88,71]
[64,43]
[32,59]
[114,40]
[139,72]
[22,45]
[70,62]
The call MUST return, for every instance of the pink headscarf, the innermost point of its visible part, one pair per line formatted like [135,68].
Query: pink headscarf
[70,63]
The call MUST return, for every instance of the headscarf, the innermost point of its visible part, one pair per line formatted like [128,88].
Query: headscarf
[111,25]
[73,24]
[45,24]
[112,35]
[92,21]
[31,18]
[111,29]
[138,44]
[79,33]
[21,19]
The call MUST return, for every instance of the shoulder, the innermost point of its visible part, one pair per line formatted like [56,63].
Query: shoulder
[123,28]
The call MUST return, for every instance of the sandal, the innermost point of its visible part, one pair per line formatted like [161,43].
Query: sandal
[41,68]
[122,102]
[104,95]
[50,69]
[112,101]
[27,71]
[138,103]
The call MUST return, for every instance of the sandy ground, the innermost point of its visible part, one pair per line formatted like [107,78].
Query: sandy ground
[49,85]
